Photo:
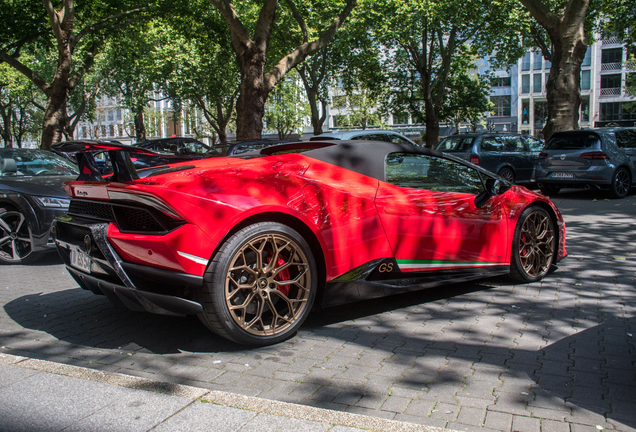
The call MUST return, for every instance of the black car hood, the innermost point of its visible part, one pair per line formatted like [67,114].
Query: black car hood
[50,186]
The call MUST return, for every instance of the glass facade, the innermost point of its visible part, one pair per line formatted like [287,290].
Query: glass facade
[501,106]
[536,83]
[586,79]
[525,83]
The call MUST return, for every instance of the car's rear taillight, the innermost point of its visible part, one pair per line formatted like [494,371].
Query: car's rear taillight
[595,156]
[543,155]
[474,159]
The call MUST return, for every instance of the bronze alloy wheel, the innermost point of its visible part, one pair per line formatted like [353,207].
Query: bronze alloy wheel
[536,244]
[16,245]
[268,284]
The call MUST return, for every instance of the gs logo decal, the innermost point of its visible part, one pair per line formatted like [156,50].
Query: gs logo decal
[385,267]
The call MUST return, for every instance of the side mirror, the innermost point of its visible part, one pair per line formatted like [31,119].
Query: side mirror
[493,187]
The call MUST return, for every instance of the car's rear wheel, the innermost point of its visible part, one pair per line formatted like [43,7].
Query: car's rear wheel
[549,190]
[507,174]
[620,183]
[260,286]
[533,245]
[16,241]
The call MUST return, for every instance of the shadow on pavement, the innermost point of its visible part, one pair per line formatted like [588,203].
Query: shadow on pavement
[82,318]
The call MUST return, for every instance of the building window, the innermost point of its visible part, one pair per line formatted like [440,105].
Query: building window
[548,64]
[611,81]
[118,115]
[525,111]
[525,83]
[400,118]
[111,130]
[500,82]
[586,79]
[525,62]
[616,111]
[339,101]
[585,109]
[587,60]
[536,83]
[538,61]
[613,55]
[501,106]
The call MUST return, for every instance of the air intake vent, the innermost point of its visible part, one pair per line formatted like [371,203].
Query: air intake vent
[91,209]
[136,219]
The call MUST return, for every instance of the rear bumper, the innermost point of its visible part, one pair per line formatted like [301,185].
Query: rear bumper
[136,287]
[597,177]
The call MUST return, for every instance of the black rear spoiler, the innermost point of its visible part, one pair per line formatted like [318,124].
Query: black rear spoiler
[119,154]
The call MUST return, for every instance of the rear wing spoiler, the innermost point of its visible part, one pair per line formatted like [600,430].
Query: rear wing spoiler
[119,154]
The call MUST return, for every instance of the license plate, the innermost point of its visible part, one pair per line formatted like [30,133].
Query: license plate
[562,175]
[81,261]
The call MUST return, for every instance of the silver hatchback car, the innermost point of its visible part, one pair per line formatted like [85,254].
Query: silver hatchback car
[589,158]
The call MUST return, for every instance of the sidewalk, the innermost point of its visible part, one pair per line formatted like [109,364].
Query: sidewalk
[37,395]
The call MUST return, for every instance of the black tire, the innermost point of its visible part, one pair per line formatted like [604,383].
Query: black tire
[254,302]
[621,182]
[16,241]
[508,174]
[533,245]
[549,190]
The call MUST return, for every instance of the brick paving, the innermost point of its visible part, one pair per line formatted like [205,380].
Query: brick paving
[558,355]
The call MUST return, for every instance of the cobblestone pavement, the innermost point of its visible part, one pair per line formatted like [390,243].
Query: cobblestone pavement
[558,355]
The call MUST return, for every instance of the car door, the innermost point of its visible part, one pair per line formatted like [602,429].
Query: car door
[519,157]
[427,208]
[626,141]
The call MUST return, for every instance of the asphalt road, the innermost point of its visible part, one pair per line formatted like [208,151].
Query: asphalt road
[557,355]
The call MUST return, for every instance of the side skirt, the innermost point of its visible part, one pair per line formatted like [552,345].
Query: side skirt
[375,280]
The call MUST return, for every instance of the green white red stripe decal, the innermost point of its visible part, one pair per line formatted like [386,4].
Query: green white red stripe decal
[425,265]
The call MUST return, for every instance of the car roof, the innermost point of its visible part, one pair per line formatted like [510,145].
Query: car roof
[344,135]
[167,140]
[361,156]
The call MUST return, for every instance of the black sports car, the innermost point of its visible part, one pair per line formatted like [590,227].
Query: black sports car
[31,197]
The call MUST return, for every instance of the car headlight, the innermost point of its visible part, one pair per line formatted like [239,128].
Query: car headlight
[52,202]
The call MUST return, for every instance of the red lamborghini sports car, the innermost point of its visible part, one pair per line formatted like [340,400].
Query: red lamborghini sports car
[249,243]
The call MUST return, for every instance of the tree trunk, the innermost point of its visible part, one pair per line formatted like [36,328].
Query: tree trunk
[56,116]
[567,34]
[5,130]
[432,129]
[140,126]
[317,119]
[250,106]
[564,86]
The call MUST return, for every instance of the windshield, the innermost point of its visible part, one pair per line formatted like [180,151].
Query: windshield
[572,141]
[30,162]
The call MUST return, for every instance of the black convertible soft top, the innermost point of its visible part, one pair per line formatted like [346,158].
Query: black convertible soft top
[364,157]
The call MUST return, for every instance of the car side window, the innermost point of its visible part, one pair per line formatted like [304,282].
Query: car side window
[514,144]
[491,144]
[397,139]
[432,173]
[192,148]
[534,144]
[626,138]
[370,137]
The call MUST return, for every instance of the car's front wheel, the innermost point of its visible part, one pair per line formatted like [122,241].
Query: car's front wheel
[260,286]
[16,241]
[621,183]
[533,245]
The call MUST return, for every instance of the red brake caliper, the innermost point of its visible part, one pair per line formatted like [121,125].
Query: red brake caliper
[283,275]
